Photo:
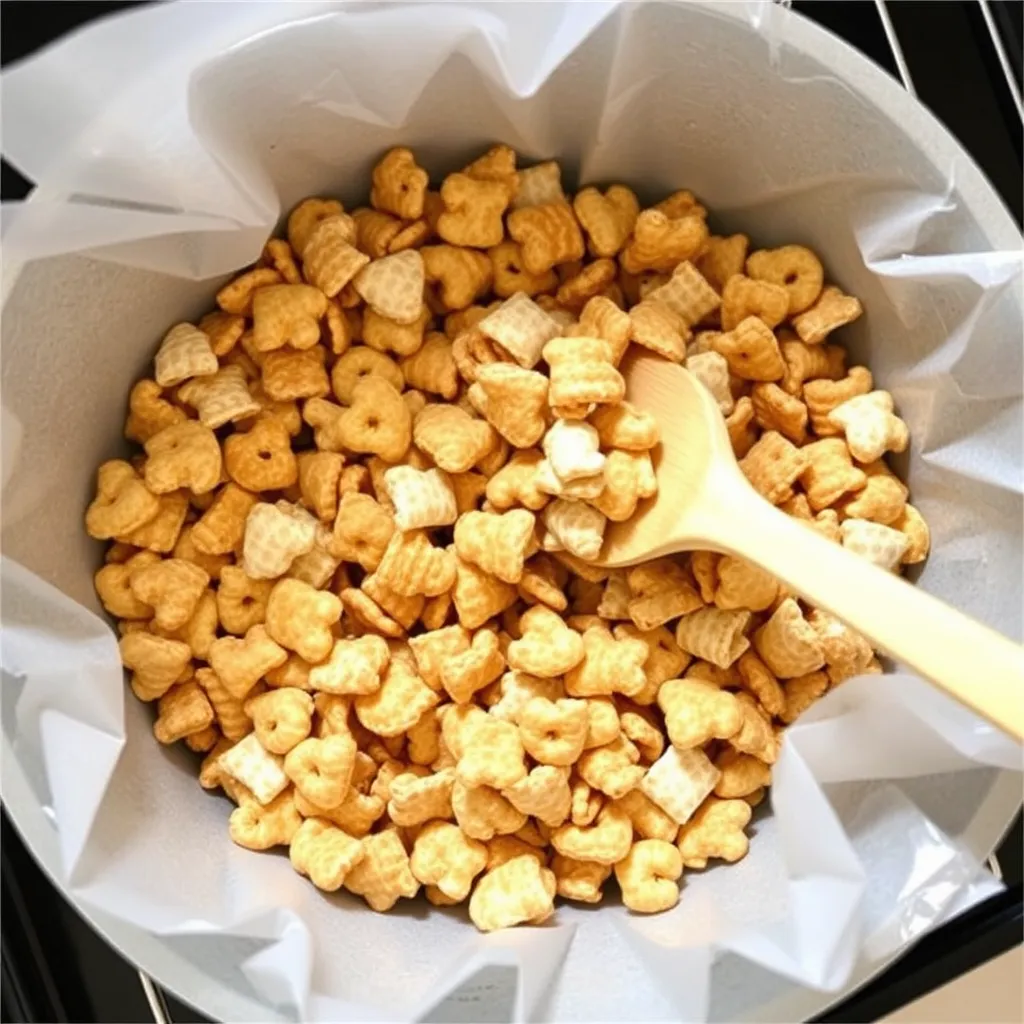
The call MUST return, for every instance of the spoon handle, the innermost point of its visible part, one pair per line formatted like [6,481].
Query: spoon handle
[972,663]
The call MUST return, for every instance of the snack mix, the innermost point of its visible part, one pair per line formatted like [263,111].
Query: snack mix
[352,563]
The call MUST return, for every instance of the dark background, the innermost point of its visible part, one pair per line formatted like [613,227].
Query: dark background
[54,967]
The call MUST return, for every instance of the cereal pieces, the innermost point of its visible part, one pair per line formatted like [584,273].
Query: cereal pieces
[383,876]
[870,426]
[479,596]
[648,819]
[393,286]
[377,421]
[516,484]
[288,314]
[626,427]
[883,498]
[658,328]
[240,664]
[329,262]
[324,854]
[831,311]
[548,647]
[241,600]
[521,327]
[788,645]
[148,413]
[513,400]
[830,472]
[660,590]
[402,699]
[548,233]
[321,769]
[572,449]
[751,351]
[260,771]
[492,755]
[483,812]
[305,217]
[354,667]
[660,241]
[881,545]
[261,459]
[256,826]
[607,219]
[712,370]
[421,498]
[275,535]
[220,398]
[648,874]
[714,635]
[687,294]
[613,768]
[697,712]
[578,880]
[122,504]
[399,185]
[679,782]
[157,662]
[172,588]
[520,891]
[497,542]
[445,857]
[795,268]
[773,465]
[715,832]
[911,524]
[776,409]
[412,566]
[577,527]
[452,438]
[184,353]
[362,530]
[744,297]
[607,841]
[609,665]
[300,617]
[628,479]
[740,584]
[281,718]
[824,395]
[846,652]
[473,209]
[553,732]
[185,454]
[472,669]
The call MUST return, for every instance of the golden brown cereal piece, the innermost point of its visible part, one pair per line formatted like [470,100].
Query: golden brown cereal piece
[470,670]
[497,542]
[473,211]
[810,363]
[801,693]
[240,664]
[548,233]
[412,566]
[775,409]
[185,352]
[641,726]
[378,421]
[511,276]
[543,794]
[305,217]
[513,400]
[231,718]
[172,588]
[822,396]
[360,362]
[383,876]
[330,260]
[743,297]
[497,164]
[578,880]
[722,258]
[661,590]
[743,585]
[607,219]
[586,803]
[289,375]
[432,650]
[554,732]
[445,857]
[237,295]
[319,473]
[492,755]
[591,282]
[223,330]
[605,842]
[483,812]
[321,769]
[751,351]
[502,849]
[123,503]
[648,819]
[648,876]
[281,719]
[715,831]
[432,368]
[787,643]
[261,827]
[582,372]
[399,703]
[681,203]
[870,426]
[278,253]
[461,274]
[704,567]
[696,712]
[612,769]
[519,891]
[608,665]
[665,660]
[324,853]
[831,311]
[393,286]
[479,596]
[287,314]
[161,533]
[714,635]
[629,478]
[300,617]
[756,737]
[381,335]
[759,681]
[795,268]
[656,327]
[773,465]
[543,581]
[687,294]
[830,472]
[148,413]
[183,455]
[399,185]
[414,800]
[452,438]
[221,527]
[157,662]
[261,459]
[847,653]
[354,667]
[548,648]
[912,525]
[882,499]
[661,241]
[375,231]
[515,483]
[275,536]
[113,585]
[241,600]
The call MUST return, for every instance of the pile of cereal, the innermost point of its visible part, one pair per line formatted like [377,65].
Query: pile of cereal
[354,563]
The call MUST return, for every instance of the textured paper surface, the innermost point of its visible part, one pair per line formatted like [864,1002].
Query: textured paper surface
[887,797]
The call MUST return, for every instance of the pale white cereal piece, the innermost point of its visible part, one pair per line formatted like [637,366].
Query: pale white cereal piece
[687,293]
[680,781]
[712,370]
[584,489]
[573,449]
[579,527]
[318,565]
[185,352]
[261,772]
[422,498]
[879,544]
[538,185]
[870,426]
[521,327]
[275,535]
[713,634]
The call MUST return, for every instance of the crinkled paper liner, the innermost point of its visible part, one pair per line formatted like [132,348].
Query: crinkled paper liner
[887,797]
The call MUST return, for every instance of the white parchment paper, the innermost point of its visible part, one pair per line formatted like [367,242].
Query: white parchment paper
[167,143]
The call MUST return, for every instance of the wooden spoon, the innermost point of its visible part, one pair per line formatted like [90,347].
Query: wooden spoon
[704,502]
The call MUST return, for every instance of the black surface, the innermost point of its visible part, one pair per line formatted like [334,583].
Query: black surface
[55,968]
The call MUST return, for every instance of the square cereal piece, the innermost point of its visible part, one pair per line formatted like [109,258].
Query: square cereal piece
[773,465]
[687,293]
[679,782]
[521,327]
[258,770]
